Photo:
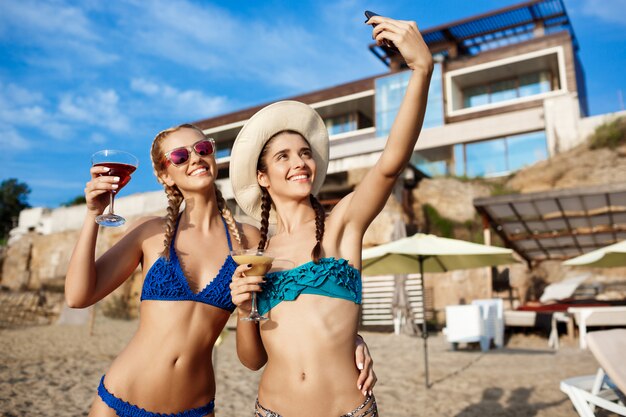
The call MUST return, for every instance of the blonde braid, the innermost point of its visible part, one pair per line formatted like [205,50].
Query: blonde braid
[228,216]
[174,200]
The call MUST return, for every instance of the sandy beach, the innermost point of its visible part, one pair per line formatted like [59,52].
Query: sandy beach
[54,371]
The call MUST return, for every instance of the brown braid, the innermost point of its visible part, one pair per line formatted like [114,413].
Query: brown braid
[266,205]
[320,216]
[228,216]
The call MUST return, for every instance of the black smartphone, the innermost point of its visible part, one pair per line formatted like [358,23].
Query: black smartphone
[369,15]
[388,44]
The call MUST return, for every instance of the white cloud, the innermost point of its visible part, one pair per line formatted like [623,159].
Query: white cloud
[100,109]
[21,96]
[57,35]
[98,138]
[282,53]
[42,19]
[144,86]
[23,108]
[607,10]
[10,139]
[188,103]
[19,106]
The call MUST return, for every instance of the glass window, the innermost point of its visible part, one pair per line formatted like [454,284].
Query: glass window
[341,124]
[476,96]
[431,167]
[459,160]
[495,92]
[434,106]
[526,149]
[390,92]
[503,90]
[532,84]
[499,156]
[222,153]
[485,158]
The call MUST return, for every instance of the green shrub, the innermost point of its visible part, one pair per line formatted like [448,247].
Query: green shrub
[443,227]
[609,135]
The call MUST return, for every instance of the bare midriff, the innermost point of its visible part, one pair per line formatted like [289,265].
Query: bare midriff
[311,367]
[167,366]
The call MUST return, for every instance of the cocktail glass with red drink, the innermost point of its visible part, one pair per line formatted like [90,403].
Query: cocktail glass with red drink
[121,164]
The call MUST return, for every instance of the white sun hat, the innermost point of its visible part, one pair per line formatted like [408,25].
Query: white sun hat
[264,124]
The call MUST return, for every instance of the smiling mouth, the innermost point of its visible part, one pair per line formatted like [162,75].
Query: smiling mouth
[300,177]
[198,171]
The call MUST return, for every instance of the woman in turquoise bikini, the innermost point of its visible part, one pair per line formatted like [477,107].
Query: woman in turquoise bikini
[166,369]
[313,309]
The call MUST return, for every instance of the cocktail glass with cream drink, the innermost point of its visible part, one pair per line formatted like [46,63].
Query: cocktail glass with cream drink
[261,263]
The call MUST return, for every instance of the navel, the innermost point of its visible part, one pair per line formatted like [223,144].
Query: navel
[302,376]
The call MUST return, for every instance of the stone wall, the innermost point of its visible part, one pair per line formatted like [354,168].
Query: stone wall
[452,198]
[37,261]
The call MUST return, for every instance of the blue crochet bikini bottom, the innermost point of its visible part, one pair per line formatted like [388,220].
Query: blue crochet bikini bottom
[125,409]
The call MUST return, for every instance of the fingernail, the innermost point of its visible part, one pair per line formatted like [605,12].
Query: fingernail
[359,386]
[114,186]
[106,169]
[360,366]
[116,179]
[370,392]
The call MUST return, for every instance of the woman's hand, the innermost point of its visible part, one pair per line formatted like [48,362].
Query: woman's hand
[98,188]
[367,378]
[406,37]
[242,287]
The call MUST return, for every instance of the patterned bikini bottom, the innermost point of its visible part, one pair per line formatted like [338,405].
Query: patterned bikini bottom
[366,409]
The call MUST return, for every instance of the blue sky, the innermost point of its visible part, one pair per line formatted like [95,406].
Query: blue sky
[80,76]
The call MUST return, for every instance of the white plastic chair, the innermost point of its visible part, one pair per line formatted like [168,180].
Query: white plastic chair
[605,389]
[493,315]
[465,324]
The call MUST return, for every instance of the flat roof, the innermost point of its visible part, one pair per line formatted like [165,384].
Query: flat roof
[560,224]
[497,28]
[308,98]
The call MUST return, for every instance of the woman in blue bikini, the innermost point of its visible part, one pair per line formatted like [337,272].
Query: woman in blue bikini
[166,368]
[313,309]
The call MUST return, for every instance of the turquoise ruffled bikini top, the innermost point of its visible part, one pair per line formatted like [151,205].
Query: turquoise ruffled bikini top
[329,277]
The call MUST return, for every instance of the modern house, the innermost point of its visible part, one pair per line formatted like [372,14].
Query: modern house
[508,90]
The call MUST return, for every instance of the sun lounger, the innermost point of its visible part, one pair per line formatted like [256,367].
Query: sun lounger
[605,389]
[562,290]
[517,318]
[596,316]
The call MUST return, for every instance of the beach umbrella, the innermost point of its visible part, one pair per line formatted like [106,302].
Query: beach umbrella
[610,256]
[428,253]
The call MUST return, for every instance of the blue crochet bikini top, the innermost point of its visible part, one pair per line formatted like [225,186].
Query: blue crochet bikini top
[166,281]
[329,277]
